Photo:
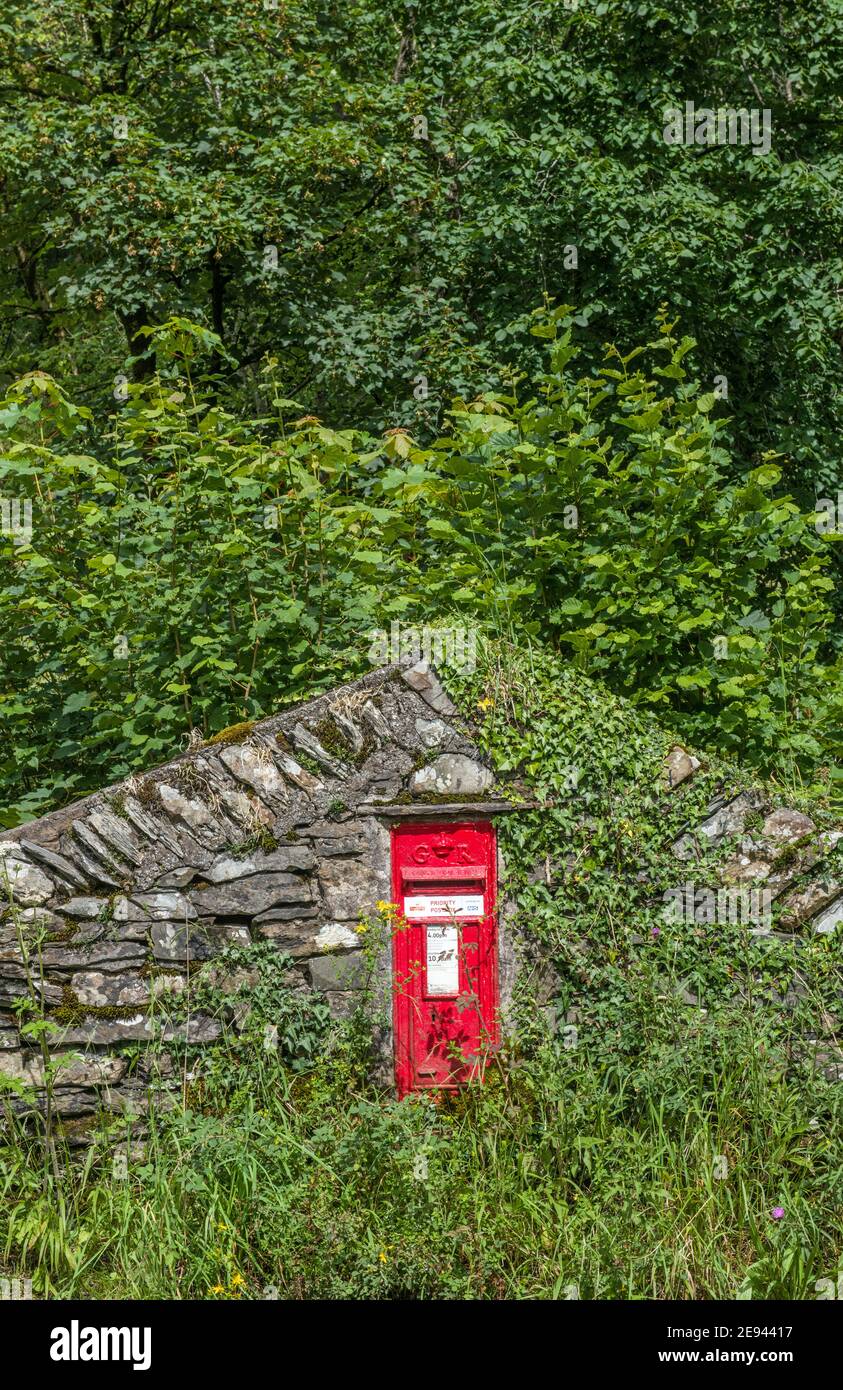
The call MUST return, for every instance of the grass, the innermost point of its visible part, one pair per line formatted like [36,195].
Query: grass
[557,1177]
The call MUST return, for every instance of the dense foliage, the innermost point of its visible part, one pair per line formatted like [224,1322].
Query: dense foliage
[208,567]
[380,190]
[352,210]
[551,1182]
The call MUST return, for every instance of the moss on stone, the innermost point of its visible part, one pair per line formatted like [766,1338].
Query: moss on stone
[147,792]
[262,839]
[332,738]
[62,936]
[235,733]
[72,1011]
[439,798]
[309,764]
[425,757]
[370,744]
[791,852]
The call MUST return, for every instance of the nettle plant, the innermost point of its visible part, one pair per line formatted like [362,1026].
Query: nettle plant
[187,568]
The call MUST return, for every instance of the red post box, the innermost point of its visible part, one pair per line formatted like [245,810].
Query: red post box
[445,956]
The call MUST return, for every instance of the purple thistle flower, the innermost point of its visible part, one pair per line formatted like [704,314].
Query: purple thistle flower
[777,1213]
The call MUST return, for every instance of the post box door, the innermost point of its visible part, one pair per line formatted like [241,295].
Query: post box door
[445,972]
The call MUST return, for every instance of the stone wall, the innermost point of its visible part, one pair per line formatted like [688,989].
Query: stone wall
[277,831]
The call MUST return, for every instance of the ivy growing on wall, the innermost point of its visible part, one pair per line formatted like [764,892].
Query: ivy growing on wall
[589,873]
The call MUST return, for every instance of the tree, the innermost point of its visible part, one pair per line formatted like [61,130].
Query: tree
[421,174]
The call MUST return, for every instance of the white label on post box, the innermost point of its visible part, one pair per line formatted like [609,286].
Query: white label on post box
[443,964]
[461,905]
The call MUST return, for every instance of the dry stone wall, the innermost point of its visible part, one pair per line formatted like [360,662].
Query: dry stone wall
[277,831]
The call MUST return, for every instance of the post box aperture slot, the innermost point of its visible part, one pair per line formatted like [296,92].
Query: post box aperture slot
[465,873]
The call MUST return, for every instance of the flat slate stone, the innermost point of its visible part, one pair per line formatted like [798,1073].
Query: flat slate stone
[67,1102]
[94,869]
[194,814]
[96,846]
[95,989]
[303,938]
[249,896]
[140,1028]
[153,827]
[309,744]
[432,732]
[287,914]
[785,826]
[177,878]
[298,774]
[154,907]
[285,859]
[33,919]
[350,729]
[72,1070]
[338,972]
[14,985]
[828,920]
[346,846]
[376,722]
[175,941]
[53,861]
[116,834]
[27,884]
[99,955]
[679,766]
[256,769]
[349,888]
[337,936]
[453,772]
[422,679]
[728,819]
[82,907]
